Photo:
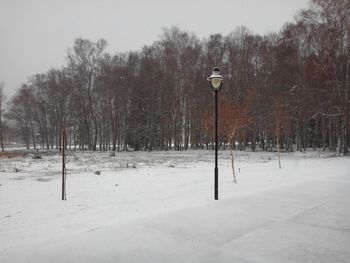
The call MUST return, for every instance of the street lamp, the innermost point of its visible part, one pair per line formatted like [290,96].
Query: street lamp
[216,82]
[64,171]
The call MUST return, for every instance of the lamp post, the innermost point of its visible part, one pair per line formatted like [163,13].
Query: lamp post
[216,82]
[64,145]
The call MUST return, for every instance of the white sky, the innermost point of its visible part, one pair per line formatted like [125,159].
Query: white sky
[35,34]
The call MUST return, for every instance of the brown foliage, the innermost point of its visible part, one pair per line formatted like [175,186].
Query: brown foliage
[234,118]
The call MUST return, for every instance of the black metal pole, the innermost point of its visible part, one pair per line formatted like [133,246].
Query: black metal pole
[216,171]
[63,165]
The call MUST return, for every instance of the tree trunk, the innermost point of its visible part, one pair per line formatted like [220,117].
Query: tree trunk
[232,162]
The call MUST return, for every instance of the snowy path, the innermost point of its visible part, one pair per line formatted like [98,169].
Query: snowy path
[300,213]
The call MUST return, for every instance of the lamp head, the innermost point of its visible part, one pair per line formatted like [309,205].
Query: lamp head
[216,79]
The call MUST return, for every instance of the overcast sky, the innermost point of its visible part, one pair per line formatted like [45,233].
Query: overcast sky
[35,34]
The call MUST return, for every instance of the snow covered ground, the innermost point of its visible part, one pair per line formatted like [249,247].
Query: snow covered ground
[159,207]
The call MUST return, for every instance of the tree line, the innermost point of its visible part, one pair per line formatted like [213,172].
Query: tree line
[286,90]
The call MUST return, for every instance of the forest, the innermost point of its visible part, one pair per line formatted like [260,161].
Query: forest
[287,90]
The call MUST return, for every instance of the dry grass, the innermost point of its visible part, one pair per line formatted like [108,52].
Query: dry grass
[12,154]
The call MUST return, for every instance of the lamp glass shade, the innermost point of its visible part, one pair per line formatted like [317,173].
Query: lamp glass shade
[216,82]
[216,79]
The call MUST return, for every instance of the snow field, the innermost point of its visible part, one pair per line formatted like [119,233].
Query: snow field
[159,207]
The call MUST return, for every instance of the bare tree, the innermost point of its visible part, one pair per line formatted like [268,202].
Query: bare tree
[83,61]
[155,98]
